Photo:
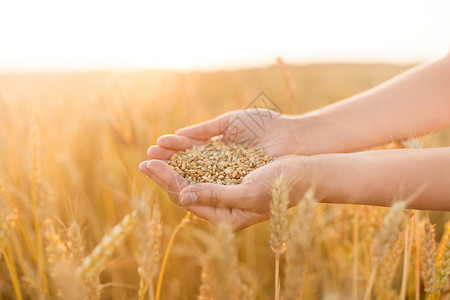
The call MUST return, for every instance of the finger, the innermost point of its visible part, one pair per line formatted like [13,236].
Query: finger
[238,219]
[215,195]
[156,152]
[164,176]
[206,130]
[177,142]
[212,214]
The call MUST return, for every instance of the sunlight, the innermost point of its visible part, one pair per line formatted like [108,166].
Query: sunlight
[56,35]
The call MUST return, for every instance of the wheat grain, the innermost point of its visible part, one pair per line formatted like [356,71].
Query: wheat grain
[217,162]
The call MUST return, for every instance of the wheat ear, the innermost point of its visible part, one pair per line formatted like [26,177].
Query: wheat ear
[148,233]
[94,262]
[298,245]
[383,283]
[279,224]
[220,273]
[383,240]
[443,256]
[428,263]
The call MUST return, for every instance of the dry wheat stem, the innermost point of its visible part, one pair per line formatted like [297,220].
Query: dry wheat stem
[9,260]
[188,218]
[298,246]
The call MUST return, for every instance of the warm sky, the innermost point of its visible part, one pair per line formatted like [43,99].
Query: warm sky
[88,34]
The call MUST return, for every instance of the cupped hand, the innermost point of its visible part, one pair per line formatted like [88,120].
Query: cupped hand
[262,127]
[244,204]
[241,205]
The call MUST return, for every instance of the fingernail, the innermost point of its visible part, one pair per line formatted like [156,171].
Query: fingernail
[152,166]
[189,197]
[143,167]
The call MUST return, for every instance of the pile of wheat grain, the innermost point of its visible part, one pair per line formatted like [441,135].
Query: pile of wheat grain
[218,162]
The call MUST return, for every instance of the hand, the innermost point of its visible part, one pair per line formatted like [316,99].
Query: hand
[242,205]
[262,127]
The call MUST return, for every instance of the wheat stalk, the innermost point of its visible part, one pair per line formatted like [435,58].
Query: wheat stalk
[289,83]
[298,244]
[90,286]
[148,233]
[36,177]
[220,273]
[383,240]
[61,263]
[8,218]
[188,218]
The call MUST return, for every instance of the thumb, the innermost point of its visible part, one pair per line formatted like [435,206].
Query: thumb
[215,195]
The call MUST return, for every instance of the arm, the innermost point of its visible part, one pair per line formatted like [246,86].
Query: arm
[382,177]
[414,103]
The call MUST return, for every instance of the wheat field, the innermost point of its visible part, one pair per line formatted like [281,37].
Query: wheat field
[78,220]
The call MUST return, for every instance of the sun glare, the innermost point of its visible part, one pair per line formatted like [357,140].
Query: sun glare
[81,35]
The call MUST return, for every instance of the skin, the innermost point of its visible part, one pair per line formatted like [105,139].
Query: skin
[316,150]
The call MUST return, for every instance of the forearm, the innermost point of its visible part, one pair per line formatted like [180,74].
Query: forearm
[384,176]
[414,103]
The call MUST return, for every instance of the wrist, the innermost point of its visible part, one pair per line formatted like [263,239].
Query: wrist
[299,169]
[326,171]
[311,133]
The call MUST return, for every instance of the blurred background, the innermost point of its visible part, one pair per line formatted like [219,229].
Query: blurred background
[87,86]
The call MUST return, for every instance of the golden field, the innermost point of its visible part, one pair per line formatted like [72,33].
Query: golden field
[70,146]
